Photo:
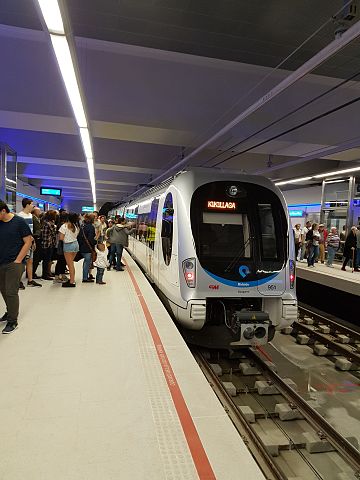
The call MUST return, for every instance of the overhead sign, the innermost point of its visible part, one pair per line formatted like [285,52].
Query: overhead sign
[87,209]
[296,213]
[50,191]
[214,205]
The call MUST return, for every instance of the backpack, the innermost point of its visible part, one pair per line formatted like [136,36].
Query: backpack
[309,235]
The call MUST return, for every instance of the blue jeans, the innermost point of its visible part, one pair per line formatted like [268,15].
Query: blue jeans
[313,253]
[99,274]
[118,249]
[86,265]
[330,255]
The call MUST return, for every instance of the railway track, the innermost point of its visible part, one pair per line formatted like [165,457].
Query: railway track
[288,438]
[328,337]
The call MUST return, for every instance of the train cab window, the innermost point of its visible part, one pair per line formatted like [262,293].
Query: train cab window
[167,228]
[267,231]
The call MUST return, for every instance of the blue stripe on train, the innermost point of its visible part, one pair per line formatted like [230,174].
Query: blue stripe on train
[231,283]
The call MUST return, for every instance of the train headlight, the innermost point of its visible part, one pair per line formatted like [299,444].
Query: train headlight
[292,273]
[189,269]
[249,333]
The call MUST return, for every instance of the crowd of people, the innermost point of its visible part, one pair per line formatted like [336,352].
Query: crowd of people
[56,239]
[314,241]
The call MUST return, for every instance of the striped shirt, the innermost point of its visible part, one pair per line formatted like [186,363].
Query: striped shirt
[333,240]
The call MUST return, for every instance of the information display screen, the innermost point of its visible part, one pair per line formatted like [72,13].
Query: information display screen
[87,209]
[50,191]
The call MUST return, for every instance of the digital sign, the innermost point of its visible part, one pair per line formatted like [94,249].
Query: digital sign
[296,213]
[87,209]
[50,191]
[215,205]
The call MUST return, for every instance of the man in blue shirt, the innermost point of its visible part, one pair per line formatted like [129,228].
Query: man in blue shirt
[15,242]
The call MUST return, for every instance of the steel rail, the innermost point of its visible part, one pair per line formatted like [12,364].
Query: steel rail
[336,325]
[345,448]
[344,349]
[250,437]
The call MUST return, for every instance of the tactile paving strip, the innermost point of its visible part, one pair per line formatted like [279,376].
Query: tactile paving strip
[177,460]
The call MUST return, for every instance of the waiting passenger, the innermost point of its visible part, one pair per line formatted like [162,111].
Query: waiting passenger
[118,236]
[36,214]
[358,245]
[313,237]
[304,243]
[69,232]
[60,267]
[342,238]
[350,250]
[26,214]
[87,242]
[100,263]
[15,241]
[323,236]
[297,239]
[332,245]
[48,243]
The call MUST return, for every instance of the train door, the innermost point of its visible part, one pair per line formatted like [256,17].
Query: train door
[150,237]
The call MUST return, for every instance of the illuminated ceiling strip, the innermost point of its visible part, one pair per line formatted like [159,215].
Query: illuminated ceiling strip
[38,200]
[51,12]
[320,175]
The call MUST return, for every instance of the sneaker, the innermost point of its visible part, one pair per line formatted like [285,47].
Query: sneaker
[47,278]
[4,318]
[100,283]
[89,280]
[68,284]
[34,284]
[36,277]
[21,286]
[10,327]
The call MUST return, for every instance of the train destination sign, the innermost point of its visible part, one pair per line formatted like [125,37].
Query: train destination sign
[214,205]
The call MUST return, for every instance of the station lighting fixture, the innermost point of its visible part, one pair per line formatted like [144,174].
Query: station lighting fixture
[51,12]
[320,175]
[52,16]
[338,172]
[297,180]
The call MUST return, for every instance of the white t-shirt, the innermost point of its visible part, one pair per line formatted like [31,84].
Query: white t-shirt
[28,219]
[69,235]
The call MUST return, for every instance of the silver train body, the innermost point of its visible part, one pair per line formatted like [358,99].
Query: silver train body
[219,247]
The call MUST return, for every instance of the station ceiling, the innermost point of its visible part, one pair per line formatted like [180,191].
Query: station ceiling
[161,76]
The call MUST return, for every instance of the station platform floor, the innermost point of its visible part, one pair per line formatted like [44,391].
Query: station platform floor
[97,383]
[331,277]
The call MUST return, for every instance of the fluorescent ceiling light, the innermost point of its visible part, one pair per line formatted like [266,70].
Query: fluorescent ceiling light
[297,180]
[338,172]
[63,56]
[85,139]
[52,16]
[337,181]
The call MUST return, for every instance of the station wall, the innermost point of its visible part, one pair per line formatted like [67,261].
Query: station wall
[304,204]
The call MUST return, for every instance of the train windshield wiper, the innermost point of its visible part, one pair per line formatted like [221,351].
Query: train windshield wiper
[239,254]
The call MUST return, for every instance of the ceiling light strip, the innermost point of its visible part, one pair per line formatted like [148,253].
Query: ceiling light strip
[51,12]
[320,175]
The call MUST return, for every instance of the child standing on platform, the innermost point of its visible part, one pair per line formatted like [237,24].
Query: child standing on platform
[100,263]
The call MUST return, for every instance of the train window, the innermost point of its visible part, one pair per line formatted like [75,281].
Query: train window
[268,233]
[167,228]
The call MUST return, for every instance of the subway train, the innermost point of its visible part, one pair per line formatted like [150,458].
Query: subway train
[219,248]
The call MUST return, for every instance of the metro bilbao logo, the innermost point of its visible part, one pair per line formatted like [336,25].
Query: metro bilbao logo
[221,205]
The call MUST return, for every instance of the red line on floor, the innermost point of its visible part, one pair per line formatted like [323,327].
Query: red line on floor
[197,451]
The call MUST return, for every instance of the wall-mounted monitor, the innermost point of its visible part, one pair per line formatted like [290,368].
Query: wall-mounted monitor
[87,209]
[50,191]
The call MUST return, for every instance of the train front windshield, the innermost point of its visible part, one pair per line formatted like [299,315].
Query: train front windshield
[239,228]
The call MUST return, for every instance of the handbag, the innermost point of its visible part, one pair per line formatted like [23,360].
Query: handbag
[92,250]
